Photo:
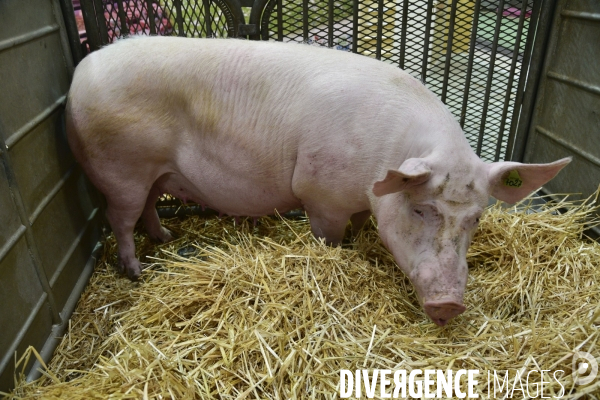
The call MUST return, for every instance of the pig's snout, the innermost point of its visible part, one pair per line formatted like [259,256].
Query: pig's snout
[441,311]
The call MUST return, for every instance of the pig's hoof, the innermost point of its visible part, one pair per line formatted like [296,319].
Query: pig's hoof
[163,235]
[133,272]
[133,268]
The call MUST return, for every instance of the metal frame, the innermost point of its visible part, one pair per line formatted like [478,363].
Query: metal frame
[518,97]
[543,29]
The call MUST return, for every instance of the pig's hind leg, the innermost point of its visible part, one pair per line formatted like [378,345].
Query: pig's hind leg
[124,208]
[151,220]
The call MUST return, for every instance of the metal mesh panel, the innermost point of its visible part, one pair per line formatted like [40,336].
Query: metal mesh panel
[473,54]
[468,52]
[320,23]
[165,17]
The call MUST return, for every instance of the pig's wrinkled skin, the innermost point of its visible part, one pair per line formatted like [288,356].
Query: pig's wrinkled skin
[247,128]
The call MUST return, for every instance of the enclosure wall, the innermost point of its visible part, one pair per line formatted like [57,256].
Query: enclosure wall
[49,221]
[566,120]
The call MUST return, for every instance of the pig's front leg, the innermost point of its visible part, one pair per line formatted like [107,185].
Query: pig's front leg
[327,224]
[358,221]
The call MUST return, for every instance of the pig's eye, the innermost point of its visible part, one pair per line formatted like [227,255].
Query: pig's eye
[418,212]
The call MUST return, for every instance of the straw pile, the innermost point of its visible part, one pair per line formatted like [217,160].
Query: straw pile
[269,312]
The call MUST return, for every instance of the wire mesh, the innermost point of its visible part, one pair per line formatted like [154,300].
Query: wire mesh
[468,52]
[165,17]
[471,53]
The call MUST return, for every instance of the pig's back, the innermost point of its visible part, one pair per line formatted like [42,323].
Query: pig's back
[251,110]
[233,87]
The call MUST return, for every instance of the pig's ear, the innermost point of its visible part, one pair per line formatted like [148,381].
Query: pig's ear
[413,171]
[513,181]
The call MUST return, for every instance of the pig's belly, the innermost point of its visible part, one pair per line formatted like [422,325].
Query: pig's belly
[230,196]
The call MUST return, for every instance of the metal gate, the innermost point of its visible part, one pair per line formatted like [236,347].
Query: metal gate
[49,219]
[474,54]
[566,117]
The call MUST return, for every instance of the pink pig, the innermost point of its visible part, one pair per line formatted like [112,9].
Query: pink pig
[252,127]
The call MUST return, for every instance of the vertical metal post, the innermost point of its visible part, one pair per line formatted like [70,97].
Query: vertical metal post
[449,50]
[488,87]
[305,20]
[179,17]
[511,78]
[536,69]
[68,15]
[91,25]
[379,29]
[426,43]
[123,18]
[330,24]
[355,27]
[279,20]
[463,112]
[101,21]
[151,17]
[403,33]
[207,18]
[526,67]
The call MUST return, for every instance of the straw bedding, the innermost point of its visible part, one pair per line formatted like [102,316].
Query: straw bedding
[270,312]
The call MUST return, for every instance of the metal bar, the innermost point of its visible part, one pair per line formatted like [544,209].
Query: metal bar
[13,347]
[63,262]
[426,43]
[91,26]
[449,50]
[179,17]
[123,17]
[588,87]
[488,86]
[35,121]
[50,195]
[557,139]
[12,240]
[525,65]
[581,15]
[279,20]
[68,15]
[63,35]
[330,24]
[36,260]
[511,78]
[305,20]
[379,29]
[58,330]
[102,25]
[28,37]
[403,33]
[239,18]
[540,48]
[260,17]
[151,20]
[207,18]
[463,112]
[355,27]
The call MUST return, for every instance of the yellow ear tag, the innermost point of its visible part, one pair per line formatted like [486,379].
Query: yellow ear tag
[513,179]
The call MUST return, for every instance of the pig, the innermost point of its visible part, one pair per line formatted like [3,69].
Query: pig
[249,127]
